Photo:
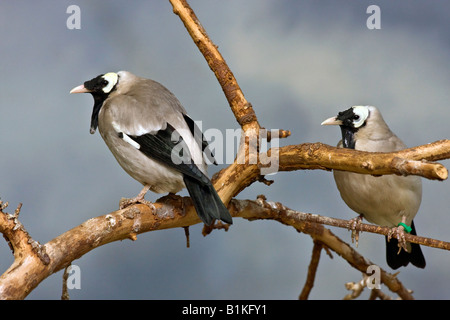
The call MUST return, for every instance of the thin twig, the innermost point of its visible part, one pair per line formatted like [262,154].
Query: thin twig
[65,291]
[335,222]
[186,233]
[312,269]
[356,289]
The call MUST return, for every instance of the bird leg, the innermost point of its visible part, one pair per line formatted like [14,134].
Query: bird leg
[400,235]
[353,225]
[138,199]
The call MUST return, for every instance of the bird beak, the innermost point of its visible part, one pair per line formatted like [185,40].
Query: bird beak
[80,89]
[331,121]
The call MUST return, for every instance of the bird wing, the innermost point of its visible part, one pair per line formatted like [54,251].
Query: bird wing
[168,147]
[141,114]
[197,133]
[158,141]
[145,106]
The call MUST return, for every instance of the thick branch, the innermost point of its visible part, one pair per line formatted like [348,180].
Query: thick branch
[19,240]
[28,270]
[242,109]
[239,175]
[409,161]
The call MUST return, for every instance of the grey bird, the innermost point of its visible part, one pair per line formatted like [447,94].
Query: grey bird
[388,200]
[154,140]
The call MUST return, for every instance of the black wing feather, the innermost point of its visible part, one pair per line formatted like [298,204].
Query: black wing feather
[197,133]
[168,147]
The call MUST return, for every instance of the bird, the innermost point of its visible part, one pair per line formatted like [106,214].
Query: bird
[153,139]
[387,200]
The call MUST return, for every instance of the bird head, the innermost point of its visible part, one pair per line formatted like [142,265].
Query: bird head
[100,87]
[351,121]
[102,84]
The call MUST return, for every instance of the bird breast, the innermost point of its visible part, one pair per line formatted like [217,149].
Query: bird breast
[159,177]
[381,200]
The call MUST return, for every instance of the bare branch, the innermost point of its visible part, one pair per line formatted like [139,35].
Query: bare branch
[230,181]
[241,108]
[28,270]
[409,161]
[65,292]
[356,289]
[261,209]
[17,237]
[312,269]
[314,218]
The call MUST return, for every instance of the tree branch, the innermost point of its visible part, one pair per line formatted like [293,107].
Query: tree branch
[28,270]
[231,180]
[241,108]
[265,210]
[405,162]
[312,269]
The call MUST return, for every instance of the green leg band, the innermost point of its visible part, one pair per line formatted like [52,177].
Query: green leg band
[407,228]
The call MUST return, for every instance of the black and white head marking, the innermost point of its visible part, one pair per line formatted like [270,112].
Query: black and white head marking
[100,87]
[351,121]
[354,118]
[102,84]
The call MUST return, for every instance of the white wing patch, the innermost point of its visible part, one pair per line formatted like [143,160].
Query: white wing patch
[124,136]
[130,141]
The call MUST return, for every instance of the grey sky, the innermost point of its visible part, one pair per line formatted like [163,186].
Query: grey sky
[297,62]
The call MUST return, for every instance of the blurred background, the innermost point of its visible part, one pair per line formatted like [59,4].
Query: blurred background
[297,62]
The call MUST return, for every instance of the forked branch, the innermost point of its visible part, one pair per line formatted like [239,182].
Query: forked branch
[29,270]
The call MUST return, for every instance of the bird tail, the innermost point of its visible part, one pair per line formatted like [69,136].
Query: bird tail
[207,202]
[395,260]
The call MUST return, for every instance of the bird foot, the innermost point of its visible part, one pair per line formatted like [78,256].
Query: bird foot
[399,233]
[126,202]
[353,225]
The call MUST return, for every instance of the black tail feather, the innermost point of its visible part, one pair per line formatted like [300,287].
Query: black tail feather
[403,258]
[207,202]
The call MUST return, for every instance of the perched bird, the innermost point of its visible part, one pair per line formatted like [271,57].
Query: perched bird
[388,200]
[153,139]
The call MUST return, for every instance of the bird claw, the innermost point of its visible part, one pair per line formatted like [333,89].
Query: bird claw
[353,225]
[399,234]
[125,202]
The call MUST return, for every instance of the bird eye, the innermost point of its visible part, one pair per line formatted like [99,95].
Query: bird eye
[360,114]
[109,81]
